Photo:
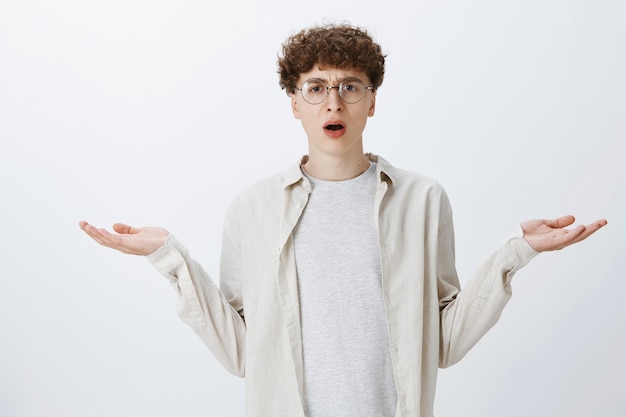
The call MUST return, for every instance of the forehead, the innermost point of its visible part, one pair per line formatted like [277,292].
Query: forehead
[332,75]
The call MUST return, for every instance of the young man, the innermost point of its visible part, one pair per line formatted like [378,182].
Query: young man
[339,294]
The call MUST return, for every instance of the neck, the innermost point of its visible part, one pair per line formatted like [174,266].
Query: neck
[331,168]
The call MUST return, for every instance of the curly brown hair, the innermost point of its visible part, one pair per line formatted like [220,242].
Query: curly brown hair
[334,45]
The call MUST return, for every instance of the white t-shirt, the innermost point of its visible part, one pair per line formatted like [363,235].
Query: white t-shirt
[347,360]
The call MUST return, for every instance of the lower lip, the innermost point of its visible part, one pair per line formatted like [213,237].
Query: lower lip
[334,133]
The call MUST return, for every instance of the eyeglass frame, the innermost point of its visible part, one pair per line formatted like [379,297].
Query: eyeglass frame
[338,87]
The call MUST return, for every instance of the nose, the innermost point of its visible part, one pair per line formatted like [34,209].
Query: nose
[333,101]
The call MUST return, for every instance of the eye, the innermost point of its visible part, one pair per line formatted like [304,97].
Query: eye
[352,85]
[315,87]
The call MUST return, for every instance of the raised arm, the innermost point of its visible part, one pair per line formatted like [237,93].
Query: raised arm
[468,314]
[201,304]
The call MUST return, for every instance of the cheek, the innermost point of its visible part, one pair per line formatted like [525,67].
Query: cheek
[306,118]
[307,114]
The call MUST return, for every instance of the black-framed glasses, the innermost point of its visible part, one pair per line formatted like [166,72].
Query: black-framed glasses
[351,90]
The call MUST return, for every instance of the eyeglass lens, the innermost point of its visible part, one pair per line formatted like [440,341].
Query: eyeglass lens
[351,90]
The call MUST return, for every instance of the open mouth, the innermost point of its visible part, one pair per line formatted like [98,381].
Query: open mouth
[334,128]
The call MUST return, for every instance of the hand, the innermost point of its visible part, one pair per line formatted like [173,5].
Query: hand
[142,241]
[547,235]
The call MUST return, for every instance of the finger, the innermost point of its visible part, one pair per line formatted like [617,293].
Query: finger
[561,222]
[580,233]
[85,225]
[123,229]
[103,236]
[599,223]
[591,229]
[89,229]
[569,237]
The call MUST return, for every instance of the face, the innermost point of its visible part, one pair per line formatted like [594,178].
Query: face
[333,127]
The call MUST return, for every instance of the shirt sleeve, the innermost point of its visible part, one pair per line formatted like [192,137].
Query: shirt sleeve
[465,316]
[202,305]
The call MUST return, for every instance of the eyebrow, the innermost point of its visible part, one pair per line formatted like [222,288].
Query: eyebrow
[339,81]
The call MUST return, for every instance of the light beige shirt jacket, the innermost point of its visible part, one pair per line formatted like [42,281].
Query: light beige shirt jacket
[252,324]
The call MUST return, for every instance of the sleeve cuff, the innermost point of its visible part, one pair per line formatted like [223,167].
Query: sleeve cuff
[518,252]
[168,257]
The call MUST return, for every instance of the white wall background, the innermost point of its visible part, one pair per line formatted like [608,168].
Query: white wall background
[158,112]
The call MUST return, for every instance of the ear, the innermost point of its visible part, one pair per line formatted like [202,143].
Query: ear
[294,106]
[372,109]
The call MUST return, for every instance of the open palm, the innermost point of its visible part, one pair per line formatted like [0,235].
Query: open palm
[547,235]
[135,241]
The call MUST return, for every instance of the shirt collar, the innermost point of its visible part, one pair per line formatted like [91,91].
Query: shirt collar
[384,171]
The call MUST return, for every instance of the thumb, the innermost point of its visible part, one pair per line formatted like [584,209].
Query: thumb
[123,229]
[561,222]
